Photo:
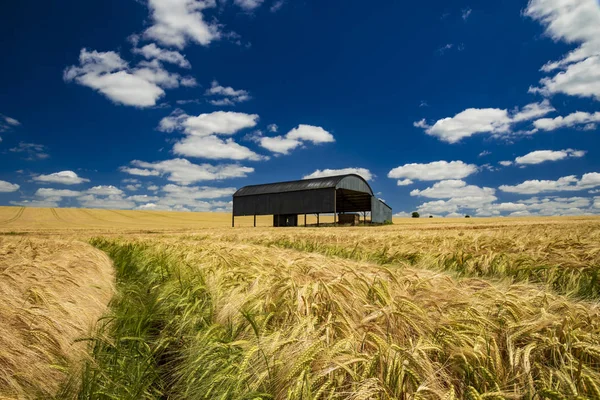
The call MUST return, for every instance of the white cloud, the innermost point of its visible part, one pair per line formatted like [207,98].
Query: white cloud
[33,151]
[433,171]
[575,21]
[201,192]
[218,122]
[532,111]
[57,193]
[405,182]
[214,148]
[103,190]
[309,133]
[133,187]
[62,177]
[365,173]
[153,52]
[143,198]
[573,119]
[294,138]
[540,156]
[114,201]
[182,171]
[484,153]
[278,144]
[566,183]
[7,187]
[455,188]
[177,22]
[505,163]
[109,74]
[187,198]
[201,140]
[272,128]
[45,203]
[7,123]
[139,171]
[597,202]
[248,5]
[472,121]
[229,96]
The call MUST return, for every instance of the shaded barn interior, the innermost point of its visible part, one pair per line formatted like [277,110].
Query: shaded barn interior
[337,195]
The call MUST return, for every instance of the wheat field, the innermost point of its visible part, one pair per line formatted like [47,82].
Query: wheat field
[499,308]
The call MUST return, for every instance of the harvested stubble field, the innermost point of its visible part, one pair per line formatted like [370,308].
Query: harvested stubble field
[428,309]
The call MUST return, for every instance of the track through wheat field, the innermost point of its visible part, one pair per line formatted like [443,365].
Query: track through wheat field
[503,308]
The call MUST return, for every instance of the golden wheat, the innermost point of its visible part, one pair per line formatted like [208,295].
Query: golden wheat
[51,294]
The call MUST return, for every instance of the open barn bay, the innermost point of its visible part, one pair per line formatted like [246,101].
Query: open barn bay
[130,304]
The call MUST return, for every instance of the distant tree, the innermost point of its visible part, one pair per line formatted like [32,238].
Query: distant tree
[467,216]
[431,216]
[415,215]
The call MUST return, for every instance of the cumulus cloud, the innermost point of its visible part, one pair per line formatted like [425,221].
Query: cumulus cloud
[309,133]
[433,171]
[540,156]
[364,172]
[184,172]
[218,122]
[226,96]
[105,190]
[279,144]
[153,52]
[178,22]
[110,75]
[455,188]
[578,22]
[201,134]
[186,198]
[214,148]
[57,193]
[405,182]
[295,138]
[471,121]
[564,184]
[7,187]
[114,201]
[505,163]
[574,119]
[62,177]
[32,151]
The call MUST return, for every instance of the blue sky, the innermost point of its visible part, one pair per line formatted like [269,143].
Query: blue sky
[474,107]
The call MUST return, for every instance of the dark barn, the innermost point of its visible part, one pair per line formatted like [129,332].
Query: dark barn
[337,195]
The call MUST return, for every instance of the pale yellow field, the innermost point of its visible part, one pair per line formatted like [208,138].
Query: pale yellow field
[499,308]
[41,220]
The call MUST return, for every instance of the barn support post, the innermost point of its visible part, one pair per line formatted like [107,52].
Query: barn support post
[317,219]
[334,207]
[232,220]
[255,220]
[305,220]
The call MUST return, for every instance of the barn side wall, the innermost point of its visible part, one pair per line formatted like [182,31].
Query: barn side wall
[300,202]
[380,212]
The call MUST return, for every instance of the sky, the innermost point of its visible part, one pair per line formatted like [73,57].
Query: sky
[446,108]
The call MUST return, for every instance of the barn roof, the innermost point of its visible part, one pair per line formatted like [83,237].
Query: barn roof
[347,181]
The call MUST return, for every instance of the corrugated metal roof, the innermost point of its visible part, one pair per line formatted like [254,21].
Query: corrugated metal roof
[294,186]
